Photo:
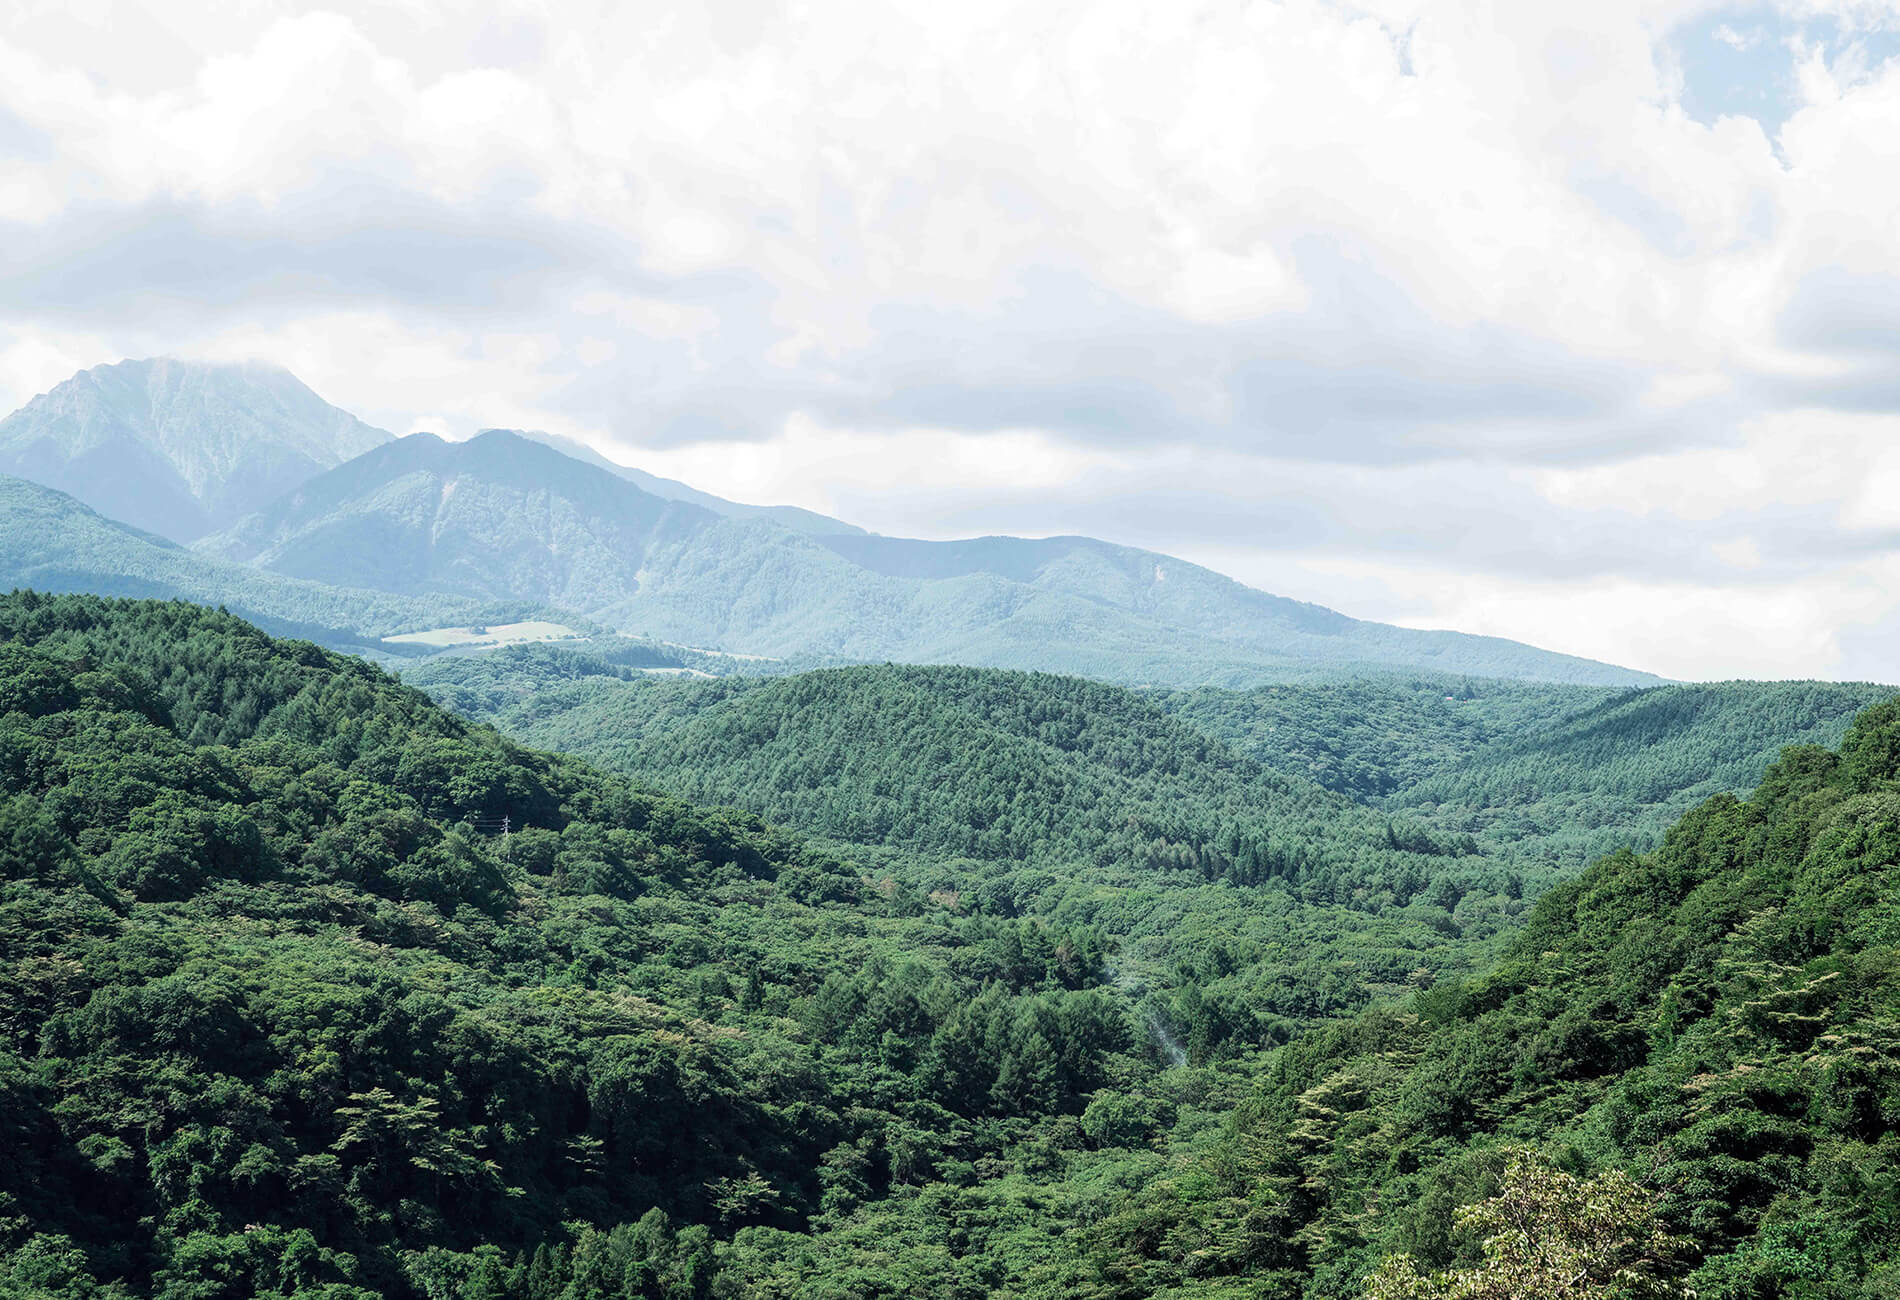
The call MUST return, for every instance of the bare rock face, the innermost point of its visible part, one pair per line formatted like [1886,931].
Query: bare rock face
[179,448]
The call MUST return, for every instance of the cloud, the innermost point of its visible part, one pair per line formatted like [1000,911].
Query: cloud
[1503,296]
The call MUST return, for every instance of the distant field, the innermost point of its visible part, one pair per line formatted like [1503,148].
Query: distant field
[722,654]
[498,634]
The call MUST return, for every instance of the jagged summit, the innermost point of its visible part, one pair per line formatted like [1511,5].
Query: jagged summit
[177,447]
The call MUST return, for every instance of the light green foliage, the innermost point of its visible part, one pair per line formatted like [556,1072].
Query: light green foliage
[1549,1235]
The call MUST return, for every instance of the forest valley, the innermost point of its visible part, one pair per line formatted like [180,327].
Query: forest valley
[924,982]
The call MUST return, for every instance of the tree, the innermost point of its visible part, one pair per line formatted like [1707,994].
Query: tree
[1549,1235]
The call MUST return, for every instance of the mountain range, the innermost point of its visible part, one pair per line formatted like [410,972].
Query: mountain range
[533,521]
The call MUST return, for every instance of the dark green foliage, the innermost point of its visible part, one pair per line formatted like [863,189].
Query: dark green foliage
[1720,1018]
[278,1018]
[281,1015]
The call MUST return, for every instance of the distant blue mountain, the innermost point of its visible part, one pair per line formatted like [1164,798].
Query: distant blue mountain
[507,517]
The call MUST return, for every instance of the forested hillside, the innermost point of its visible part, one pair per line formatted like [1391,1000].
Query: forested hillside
[1536,778]
[1370,737]
[1639,758]
[285,1014]
[945,761]
[1717,1018]
[1243,900]
[1554,775]
[54,543]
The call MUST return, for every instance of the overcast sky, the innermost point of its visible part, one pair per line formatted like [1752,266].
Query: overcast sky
[1575,323]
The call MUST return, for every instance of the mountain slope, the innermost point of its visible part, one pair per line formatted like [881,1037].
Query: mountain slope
[1715,1018]
[501,516]
[968,762]
[1165,597]
[1372,736]
[278,1018]
[179,448]
[53,543]
[795,518]
[1636,759]
[497,516]
[1565,772]
[1036,767]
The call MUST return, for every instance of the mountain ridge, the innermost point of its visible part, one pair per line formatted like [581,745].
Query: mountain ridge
[797,518]
[534,520]
[416,516]
[57,543]
[491,519]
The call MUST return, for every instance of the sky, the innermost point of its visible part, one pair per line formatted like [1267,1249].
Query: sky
[1577,324]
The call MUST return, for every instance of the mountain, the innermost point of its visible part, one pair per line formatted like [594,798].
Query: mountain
[504,517]
[54,543]
[795,518]
[1564,773]
[1715,1019]
[497,516]
[179,448]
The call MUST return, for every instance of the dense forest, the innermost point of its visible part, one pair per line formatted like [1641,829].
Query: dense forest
[1467,773]
[1716,1019]
[283,1014]
[1242,898]
[289,1008]
[1550,774]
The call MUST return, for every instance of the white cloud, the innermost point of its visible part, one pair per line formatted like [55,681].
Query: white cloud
[1424,286]
[1780,630]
